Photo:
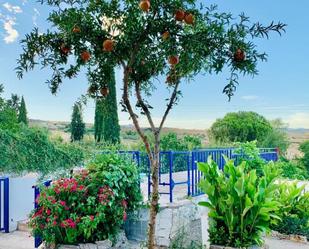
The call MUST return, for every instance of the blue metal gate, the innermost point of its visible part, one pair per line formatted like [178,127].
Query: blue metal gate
[4,204]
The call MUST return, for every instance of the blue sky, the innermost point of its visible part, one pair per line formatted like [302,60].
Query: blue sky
[281,90]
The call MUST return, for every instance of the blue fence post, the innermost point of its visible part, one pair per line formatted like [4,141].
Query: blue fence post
[188,169]
[171,159]
[192,171]
[6,205]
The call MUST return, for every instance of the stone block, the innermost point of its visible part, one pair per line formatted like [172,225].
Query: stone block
[105,244]
[88,246]
[68,247]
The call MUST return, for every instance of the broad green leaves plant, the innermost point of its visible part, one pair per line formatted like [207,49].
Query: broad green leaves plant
[242,206]
[294,209]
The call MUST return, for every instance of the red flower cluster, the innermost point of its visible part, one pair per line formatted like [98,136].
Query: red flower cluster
[82,173]
[68,223]
[67,184]
[105,193]
[63,203]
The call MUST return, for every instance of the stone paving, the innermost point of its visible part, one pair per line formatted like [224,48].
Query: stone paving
[22,240]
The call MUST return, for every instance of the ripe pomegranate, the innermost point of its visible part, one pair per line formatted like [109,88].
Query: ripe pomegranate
[239,55]
[85,56]
[173,59]
[76,29]
[65,49]
[179,15]
[104,91]
[165,35]
[189,19]
[108,45]
[144,5]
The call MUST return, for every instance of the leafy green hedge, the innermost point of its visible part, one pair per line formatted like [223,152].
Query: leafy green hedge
[31,150]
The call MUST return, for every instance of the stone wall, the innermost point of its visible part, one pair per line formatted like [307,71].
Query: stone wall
[185,218]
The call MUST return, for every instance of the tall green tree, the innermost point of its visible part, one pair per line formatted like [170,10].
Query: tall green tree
[22,112]
[106,122]
[14,102]
[240,127]
[98,121]
[150,41]
[78,127]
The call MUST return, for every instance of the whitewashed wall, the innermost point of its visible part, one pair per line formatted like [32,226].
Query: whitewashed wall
[21,199]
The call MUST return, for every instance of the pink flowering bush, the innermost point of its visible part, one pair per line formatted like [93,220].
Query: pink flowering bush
[90,206]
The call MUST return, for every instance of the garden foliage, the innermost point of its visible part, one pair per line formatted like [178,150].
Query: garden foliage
[249,153]
[304,147]
[294,209]
[242,206]
[31,150]
[292,169]
[90,206]
[25,149]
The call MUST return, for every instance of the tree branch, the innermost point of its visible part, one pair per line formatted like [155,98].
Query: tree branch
[144,107]
[169,106]
[128,105]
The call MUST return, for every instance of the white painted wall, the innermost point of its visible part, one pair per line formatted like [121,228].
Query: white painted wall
[21,198]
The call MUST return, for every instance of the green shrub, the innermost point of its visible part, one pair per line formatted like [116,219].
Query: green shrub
[90,206]
[241,205]
[31,150]
[249,153]
[292,169]
[240,127]
[294,209]
[304,147]
[277,137]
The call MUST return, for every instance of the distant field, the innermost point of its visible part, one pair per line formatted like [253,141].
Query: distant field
[129,137]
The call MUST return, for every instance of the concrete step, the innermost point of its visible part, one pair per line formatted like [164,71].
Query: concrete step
[23,226]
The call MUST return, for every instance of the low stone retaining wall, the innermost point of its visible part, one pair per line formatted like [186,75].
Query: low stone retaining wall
[177,219]
[252,247]
[292,237]
[121,243]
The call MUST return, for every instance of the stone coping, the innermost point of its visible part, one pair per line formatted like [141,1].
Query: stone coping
[227,247]
[291,237]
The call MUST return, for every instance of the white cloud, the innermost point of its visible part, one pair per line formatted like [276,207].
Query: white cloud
[298,120]
[250,97]
[11,32]
[11,8]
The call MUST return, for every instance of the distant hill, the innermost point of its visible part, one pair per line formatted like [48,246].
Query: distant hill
[298,130]
[129,136]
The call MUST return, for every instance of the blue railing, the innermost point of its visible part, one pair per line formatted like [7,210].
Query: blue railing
[4,204]
[178,161]
[37,239]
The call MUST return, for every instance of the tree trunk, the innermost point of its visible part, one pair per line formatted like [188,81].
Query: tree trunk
[154,166]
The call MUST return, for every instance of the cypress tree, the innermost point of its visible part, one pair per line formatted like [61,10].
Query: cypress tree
[22,112]
[98,121]
[77,124]
[106,123]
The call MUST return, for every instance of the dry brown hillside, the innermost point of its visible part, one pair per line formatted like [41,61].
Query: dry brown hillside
[129,136]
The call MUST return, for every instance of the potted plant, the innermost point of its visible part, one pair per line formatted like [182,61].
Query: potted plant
[241,205]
